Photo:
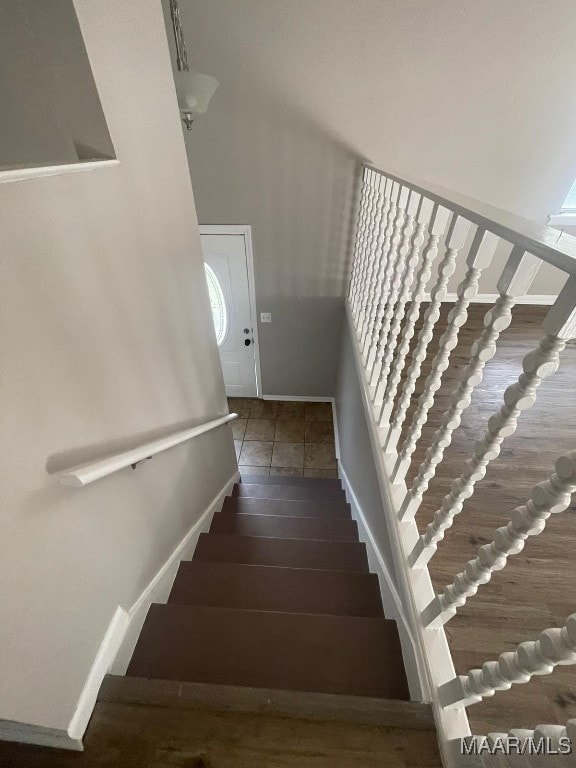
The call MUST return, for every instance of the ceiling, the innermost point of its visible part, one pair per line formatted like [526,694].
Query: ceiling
[474,95]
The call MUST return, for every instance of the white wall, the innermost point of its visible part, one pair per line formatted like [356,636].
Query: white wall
[477,97]
[105,339]
[50,108]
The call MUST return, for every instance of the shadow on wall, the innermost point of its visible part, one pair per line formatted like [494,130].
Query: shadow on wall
[256,162]
[59,462]
[259,162]
[258,157]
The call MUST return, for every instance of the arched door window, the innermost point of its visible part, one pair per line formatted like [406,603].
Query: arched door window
[219,313]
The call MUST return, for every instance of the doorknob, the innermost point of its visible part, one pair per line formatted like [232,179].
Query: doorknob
[247,342]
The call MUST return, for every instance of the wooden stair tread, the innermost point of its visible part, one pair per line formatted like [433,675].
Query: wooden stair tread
[304,652]
[289,553]
[287,507]
[269,588]
[301,704]
[304,492]
[276,526]
[314,482]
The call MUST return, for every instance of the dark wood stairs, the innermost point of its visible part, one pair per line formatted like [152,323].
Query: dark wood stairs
[276,612]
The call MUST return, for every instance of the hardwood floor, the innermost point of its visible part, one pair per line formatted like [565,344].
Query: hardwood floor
[126,736]
[536,589]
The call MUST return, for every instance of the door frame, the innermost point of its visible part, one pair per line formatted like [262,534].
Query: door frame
[246,231]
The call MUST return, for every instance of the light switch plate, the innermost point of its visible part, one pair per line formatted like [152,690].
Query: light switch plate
[265,317]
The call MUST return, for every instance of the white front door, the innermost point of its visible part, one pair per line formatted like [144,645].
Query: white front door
[227,264]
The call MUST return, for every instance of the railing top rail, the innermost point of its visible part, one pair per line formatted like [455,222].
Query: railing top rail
[550,245]
[88,473]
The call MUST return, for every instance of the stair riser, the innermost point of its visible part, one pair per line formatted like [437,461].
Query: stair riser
[274,526]
[287,507]
[324,555]
[314,482]
[288,492]
[263,588]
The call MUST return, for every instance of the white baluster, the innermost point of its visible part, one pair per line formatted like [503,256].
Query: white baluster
[561,318]
[395,260]
[571,734]
[356,259]
[547,498]
[375,214]
[517,277]
[534,657]
[557,741]
[478,259]
[385,241]
[363,245]
[399,251]
[408,255]
[375,290]
[438,218]
[480,253]
[376,350]
[560,323]
[391,253]
[364,250]
[445,271]
[374,256]
[423,218]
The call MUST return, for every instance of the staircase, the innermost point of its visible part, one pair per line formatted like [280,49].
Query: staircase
[277,611]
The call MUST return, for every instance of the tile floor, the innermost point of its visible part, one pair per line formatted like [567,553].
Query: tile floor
[284,438]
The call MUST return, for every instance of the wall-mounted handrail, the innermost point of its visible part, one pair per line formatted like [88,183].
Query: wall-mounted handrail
[88,473]
[550,245]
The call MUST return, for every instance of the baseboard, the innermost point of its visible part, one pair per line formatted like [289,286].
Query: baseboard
[391,601]
[109,648]
[541,299]
[24,733]
[299,398]
[118,642]
[336,433]
[159,587]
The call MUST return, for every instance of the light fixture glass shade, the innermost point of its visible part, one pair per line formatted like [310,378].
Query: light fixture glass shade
[194,91]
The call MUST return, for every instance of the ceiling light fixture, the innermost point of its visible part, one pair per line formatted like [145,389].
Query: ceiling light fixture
[194,90]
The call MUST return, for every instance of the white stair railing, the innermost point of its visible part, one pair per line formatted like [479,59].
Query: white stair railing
[533,657]
[401,229]
[479,256]
[391,237]
[436,219]
[516,279]
[445,272]
[547,498]
[383,248]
